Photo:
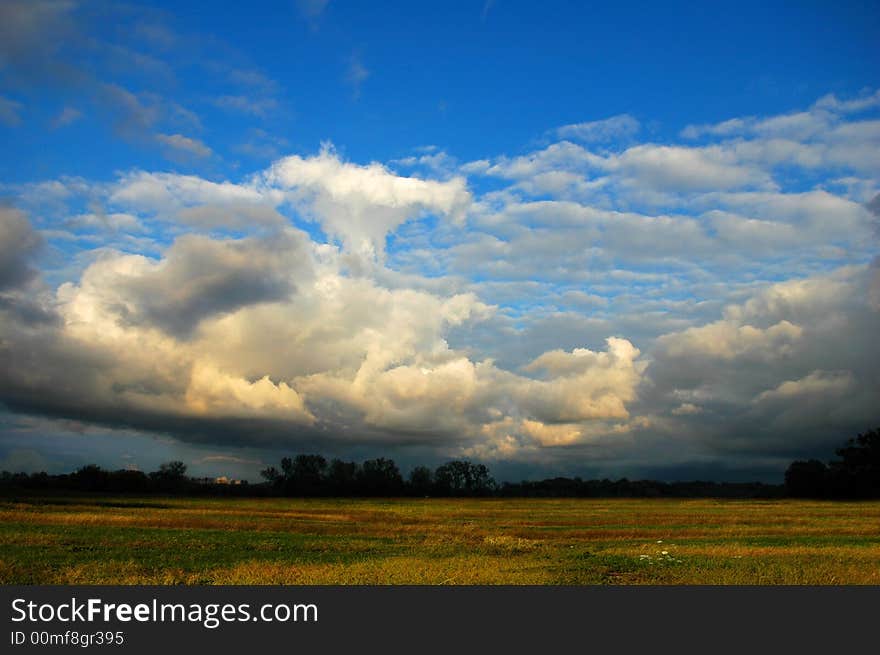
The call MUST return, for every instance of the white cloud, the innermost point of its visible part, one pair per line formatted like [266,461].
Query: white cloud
[687,169]
[621,126]
[167,192]
[184,144]
[360,205]
[727,340]
[739,266]
[212,392]
[817,383]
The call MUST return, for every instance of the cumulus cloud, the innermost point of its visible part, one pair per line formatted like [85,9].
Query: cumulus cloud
[198,278]
[267,331]
[360,205]
[738,276]
[583,384]
[817,383]
[791,367]
[726,340]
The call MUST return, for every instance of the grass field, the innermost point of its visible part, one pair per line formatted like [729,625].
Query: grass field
[101,540]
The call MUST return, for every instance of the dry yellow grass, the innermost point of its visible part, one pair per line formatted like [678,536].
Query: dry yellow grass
[97,540]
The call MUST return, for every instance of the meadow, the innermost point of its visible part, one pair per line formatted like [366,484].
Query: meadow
[153,540]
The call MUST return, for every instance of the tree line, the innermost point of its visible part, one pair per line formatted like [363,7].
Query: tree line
[313,475]
[856,474]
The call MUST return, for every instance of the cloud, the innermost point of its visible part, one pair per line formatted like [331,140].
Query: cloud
[66,117]
[167,192]
[247,104]
[184,145]
[622,126]
[360,205]
[216,394]
[198,278]
[583,385]
[18,245]
[30,35]
[356,75]
[102,221]
[833,103]
[788,370]
[624,308]
[688,169]
[10,111]
[726,128]
[231,216]
[270,336]
[727,340]
[817,383]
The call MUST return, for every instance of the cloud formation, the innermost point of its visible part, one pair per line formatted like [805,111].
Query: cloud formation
[360,205]
[630,307]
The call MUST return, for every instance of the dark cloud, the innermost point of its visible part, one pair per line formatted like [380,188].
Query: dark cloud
[18,244]
[792,371]
[874,205]
[198,279]
[27,312]
[32,32]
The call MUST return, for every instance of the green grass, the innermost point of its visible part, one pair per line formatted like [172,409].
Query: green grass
[101,540]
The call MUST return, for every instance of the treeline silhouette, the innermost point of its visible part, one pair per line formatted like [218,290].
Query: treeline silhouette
[171,479]
[855,475]
[313,476]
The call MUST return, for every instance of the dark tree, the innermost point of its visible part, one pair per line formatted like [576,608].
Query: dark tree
[171,475]
[857,473]
[308,474]
[128,480]
[421,481]
[481,482]
[287,468]
[172,471]
[342,477]
[806,479]
[271,474]
[380,477]
[460,477]
[90,478]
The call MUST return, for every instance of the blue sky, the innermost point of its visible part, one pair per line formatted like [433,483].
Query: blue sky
[623,240]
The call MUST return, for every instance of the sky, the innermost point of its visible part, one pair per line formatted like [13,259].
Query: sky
[637,239]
